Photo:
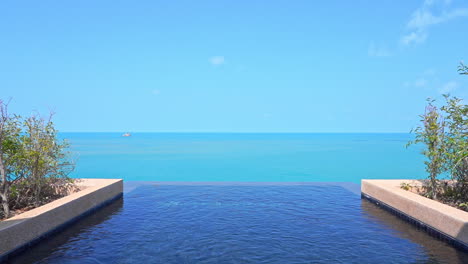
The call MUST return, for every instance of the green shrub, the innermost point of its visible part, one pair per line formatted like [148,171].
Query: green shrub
[34,163]
[444,132]
[432,134]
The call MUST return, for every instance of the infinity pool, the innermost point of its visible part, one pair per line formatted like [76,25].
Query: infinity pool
[242,223]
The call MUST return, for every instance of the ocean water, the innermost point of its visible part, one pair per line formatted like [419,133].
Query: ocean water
[245,157]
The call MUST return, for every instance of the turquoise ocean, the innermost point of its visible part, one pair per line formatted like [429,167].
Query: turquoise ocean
[245,157]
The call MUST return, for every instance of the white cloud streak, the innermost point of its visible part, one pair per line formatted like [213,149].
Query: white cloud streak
[421,82]
[415,37]
[425,17]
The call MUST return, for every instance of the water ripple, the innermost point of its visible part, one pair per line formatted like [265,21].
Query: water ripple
[243,224]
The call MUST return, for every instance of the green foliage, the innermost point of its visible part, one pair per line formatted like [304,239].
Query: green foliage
[457,144]
[444,132]
[405,186]
[463,69]
[43,156]
[432,134]
[35,162]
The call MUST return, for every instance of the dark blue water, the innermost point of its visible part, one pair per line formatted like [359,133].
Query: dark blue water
[239,223]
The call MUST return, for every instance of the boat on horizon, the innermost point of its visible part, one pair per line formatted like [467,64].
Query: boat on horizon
[126,135]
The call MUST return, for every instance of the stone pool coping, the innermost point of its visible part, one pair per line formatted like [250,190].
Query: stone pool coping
[443,221]
[21,231]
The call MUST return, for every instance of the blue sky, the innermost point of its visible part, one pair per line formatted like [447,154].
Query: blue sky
[231,66]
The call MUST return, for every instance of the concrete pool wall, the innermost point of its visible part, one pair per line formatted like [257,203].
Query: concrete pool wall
[23,230]
[440,220]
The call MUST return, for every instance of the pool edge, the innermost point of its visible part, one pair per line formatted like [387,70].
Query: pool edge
[439,220]
[27,229]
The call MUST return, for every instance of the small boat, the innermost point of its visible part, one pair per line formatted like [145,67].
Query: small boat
[126,135]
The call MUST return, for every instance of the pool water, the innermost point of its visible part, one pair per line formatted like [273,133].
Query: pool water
[242,223]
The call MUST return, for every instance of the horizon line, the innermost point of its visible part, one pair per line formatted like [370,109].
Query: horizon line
[227,132]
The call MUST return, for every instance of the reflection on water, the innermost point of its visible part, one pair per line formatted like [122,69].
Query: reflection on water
[438,250]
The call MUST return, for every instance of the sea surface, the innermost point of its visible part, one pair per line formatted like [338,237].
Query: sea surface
[213,157]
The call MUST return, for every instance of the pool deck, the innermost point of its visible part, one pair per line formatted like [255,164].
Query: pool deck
[443,221]
[21,231]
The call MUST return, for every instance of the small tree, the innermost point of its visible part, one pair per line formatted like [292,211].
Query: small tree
[445,136]
[34,165]
[45,161]
[9,150]
[457,143]
[431,134]
[4,134]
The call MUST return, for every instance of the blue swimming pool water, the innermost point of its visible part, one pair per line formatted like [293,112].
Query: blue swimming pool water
[308,223]
[245,157]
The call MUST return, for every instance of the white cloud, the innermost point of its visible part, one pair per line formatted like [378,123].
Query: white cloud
[421,82]
[429,81]
[377,51]
[156,92]
[425,17]
[217,60]
[415,37]
[448,87]
[418,83]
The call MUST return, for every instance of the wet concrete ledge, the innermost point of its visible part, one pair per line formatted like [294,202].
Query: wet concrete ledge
[442,221]
[26,229]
